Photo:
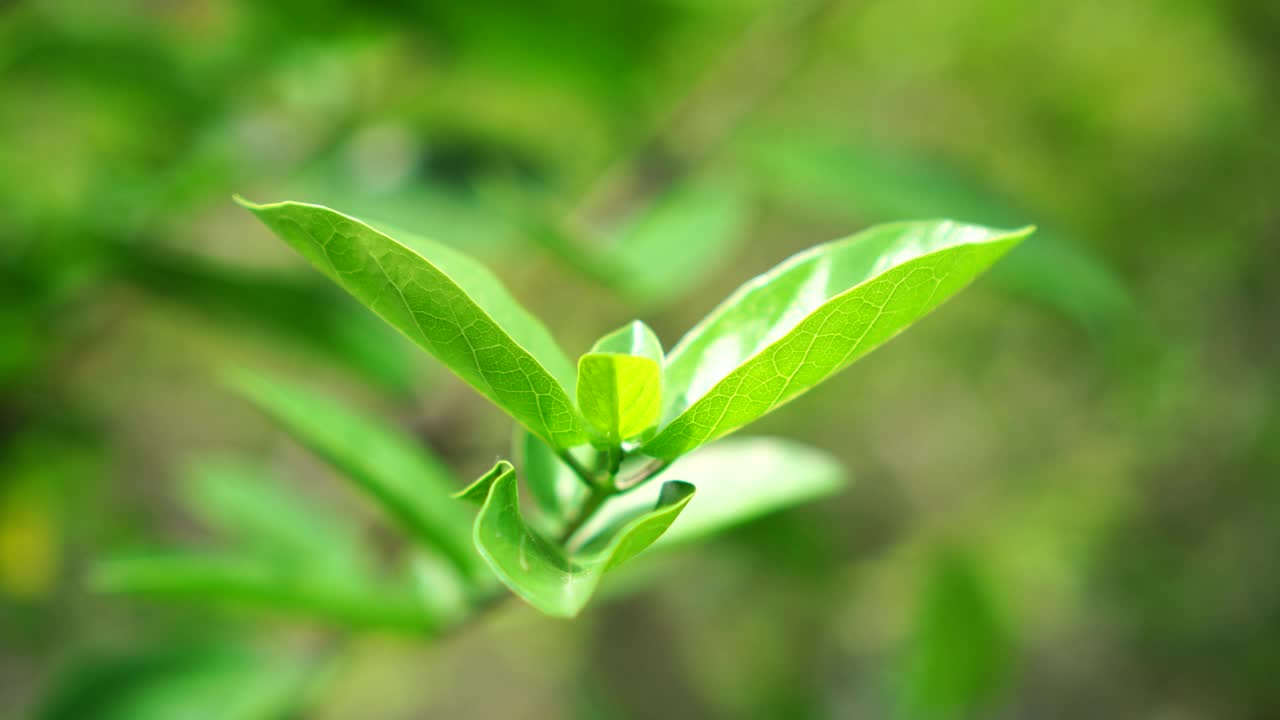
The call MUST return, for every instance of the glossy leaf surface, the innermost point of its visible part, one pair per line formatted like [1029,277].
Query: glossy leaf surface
[792,327]
[539,571]
[871,179]
[619,395]
[634,338]
[447,303]
[413,487]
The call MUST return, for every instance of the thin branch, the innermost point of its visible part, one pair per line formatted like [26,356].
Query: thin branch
[587,477]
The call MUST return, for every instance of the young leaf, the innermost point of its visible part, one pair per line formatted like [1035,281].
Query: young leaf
[791,328]
[541,572]
[620,395]
[448,304]
[413,487]
[738,479]
[634,338]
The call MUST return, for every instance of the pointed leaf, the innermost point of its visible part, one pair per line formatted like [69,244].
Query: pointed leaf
[413,487]
[872,179]
[620,395]
[448,304]
[477,492]
[541,572]
[791,328]
[738,479]
[634,338]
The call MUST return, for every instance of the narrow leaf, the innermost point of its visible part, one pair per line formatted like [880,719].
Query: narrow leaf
[620,395]
[539,571]
[789,329]
[414,488]
[448,304]
[249,583]
[871,179]
[253,509]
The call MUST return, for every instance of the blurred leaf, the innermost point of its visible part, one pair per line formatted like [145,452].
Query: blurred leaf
[208,580]
[670,247]
[450,305]
[539,571]
[253,510]
[206,681]
[620,395]
[870,180]
[413,487]
[553,484]
[959,656]
[656,255]
[789,329]
[738,479]
[287,307]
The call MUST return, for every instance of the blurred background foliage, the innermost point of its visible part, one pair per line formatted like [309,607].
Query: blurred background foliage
[1066,488]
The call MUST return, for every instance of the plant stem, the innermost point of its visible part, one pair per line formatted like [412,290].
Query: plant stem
[587,477]
[589,508]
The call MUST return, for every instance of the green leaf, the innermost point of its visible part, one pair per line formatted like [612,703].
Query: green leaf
[553,484]
[253,510]
[210,580]
[670,246]
[738,479]
[304,311]
[477,492]
[219,680]
[414,488]
[448,304]
[620,395]
[959,656]
[791,328]
[634,338]
[873,180]
[542,573]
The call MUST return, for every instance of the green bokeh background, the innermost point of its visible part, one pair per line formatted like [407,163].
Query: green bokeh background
[1067,480]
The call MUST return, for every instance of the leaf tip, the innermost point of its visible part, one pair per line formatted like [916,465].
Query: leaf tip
[477,492]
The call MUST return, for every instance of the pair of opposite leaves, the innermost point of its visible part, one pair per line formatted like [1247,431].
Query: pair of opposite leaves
[771,340]
[774,338]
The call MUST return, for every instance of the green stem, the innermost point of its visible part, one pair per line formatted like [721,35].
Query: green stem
[587,477]
[593,503]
